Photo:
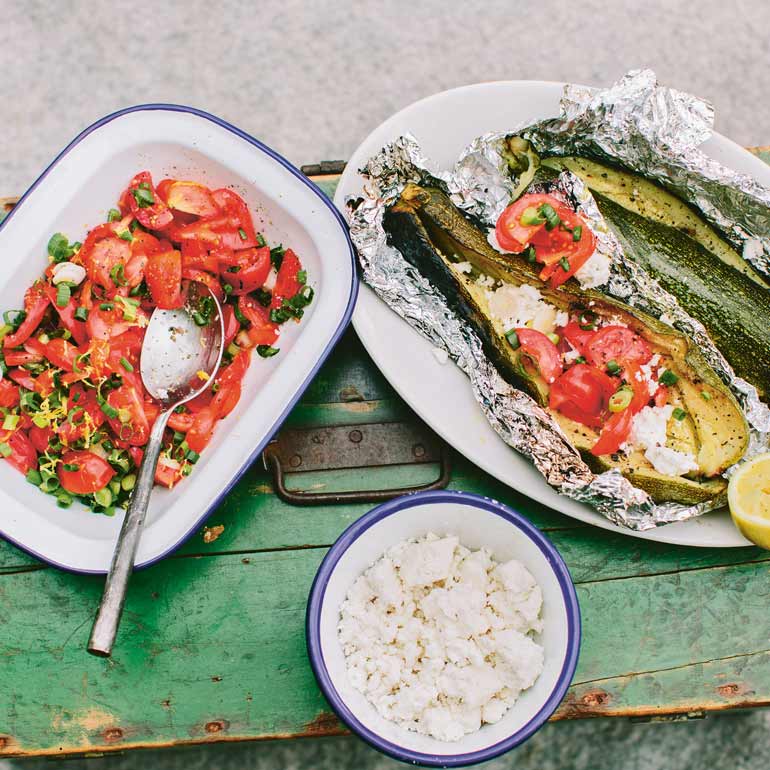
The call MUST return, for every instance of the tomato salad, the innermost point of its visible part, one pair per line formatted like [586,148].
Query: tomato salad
[594,373]
[75,414]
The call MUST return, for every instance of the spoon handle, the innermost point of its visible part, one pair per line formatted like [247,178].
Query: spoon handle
[111,606]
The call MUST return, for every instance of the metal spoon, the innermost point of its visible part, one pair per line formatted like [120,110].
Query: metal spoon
[175,353]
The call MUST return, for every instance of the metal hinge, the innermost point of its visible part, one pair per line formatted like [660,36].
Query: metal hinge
[324,168]
[374,445]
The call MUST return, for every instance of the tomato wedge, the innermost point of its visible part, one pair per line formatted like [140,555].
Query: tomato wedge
[145,203]
[512,234]
[131,424]
[83,473]
[191,198]
[582,394]
[231,204]
[262,330]
[538,355]
[67,315]
[287,283]
[9,394]
[35,304]
[244,270]
[164,279]
[619,344]
[618,427]
[23,456]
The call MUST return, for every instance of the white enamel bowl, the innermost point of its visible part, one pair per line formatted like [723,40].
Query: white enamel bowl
[478,522]
[73,195]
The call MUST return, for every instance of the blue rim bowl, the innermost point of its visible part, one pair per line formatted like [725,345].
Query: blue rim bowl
[316,601]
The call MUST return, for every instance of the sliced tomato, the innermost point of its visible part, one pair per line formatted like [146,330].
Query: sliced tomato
[61,353]
[192,198]
[229,384]
[40,438]
[582,394]
[619,344]
[618,427]
[146,204]
[203,232]
[231,204]
[9,394]
[197,255]
[181,421]
[22,377]
[231,324]
[76,327]
[511,234]
[164,279]
[191,274]
[23,456]
[576,336]
[144,243]
[245,270]
[201,430]
[131,425]
[82,473]
[102,324]
[574,254]
[168,472]
[262,330]
[163,187]
[539,355]
[286,283]
[21,357]
[44,383]
[35,304]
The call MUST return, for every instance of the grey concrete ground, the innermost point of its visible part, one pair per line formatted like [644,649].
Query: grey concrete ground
[312,79]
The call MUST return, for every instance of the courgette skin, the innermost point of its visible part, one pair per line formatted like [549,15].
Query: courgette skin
[732,307]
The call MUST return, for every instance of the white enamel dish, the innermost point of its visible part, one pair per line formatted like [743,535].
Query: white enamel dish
[444,124]
[73,195]
[478,522]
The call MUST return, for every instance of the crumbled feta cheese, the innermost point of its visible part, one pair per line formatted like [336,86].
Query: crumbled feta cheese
[493,242]
[571,356]
[272,276]
[485,281]
[464,267]
[648,376]
[648,432]
[516,306]
[595,272]
[752,249]
[438,637]
[562,318]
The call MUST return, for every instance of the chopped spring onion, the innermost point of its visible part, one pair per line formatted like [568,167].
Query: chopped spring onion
[192,456]
[580,360]
[620,400]
[668,378]
[513,338]
[126,236]
[115,487]
[242,233]
[613,367]
[143,196]
[118,273]
[302,277]
[70,466]
[551,217]
[33,477]
[126,364]
[63,294]
[106,306]
[51,484]
[564,264]
[103,497]
[113,215]
[10,422]
[81,313]
[705,395]
[124,415]
[64,499]
[59,248]
[40,421]
[261,240]
[128,481]
[577,233]
[531,255]
[266,351]
[14,318]
[553,337]
[679,414]
[233,350]
[129,307]
[5,449]
[227,289]
[264,297]
[109,410]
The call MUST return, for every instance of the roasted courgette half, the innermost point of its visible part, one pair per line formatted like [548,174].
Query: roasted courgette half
[441,243]
[675,245]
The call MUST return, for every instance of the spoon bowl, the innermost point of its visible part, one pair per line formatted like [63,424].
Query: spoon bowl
[181,354]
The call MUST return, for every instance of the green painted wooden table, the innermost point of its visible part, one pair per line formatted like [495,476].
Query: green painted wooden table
[212,645]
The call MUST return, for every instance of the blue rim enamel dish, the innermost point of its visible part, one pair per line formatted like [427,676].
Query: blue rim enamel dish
[478,522]
[73,195]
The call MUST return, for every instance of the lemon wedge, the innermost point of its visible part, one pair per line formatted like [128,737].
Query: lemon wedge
[748,495]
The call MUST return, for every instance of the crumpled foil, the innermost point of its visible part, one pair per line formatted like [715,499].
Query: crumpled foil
[481,185]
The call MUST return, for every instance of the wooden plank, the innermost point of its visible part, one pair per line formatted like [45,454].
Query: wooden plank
[221,640]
